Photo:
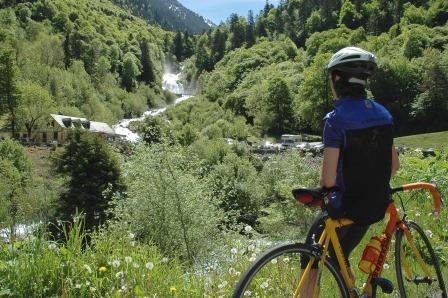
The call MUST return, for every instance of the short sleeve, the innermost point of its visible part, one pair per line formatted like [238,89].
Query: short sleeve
[333,136]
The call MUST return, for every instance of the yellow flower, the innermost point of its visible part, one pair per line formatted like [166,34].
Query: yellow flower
[102,269]
[173,289]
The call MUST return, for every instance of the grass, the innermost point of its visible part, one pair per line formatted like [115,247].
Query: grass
[436,140]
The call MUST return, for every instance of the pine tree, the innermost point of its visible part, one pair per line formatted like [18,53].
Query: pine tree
[148,74]
[178,46]
[9,94]
[250,29]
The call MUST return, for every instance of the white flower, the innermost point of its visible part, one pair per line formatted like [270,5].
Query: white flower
[286,260]
[429,233]
[264,285]
[92,289]
[248,293]
[87,283]
[87,267]
[78,286]
[136,265]
[149,265]
[232,271]
[115,263]
[251,247]
[252,259]
[131,236]
[52,246]
[274,261]
[248,229]
[234,251]
[119,274]
[386,266]
[237,273]
[127,259]
[165,260]
[417,214]
[132,243]
[223,284]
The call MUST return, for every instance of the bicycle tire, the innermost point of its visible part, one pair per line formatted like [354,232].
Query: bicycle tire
[420,285]
[271,268]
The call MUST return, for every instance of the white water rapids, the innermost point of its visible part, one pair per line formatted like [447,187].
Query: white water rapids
[170,82]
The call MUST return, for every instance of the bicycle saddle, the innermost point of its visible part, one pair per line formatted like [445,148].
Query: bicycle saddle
[312,196]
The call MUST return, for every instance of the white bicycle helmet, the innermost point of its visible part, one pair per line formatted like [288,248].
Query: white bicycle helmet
[353,60]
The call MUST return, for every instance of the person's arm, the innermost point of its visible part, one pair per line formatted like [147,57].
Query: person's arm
[395,161]
[329,168]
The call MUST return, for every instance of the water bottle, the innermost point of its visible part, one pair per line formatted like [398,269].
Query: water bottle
[371,254]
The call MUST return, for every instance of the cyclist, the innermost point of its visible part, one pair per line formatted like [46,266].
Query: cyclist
[359,156]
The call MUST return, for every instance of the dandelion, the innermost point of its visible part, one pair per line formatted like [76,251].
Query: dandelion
[286,260]
[232,271]
[234,251]
[237,273]
[149,265]
[274,261]
[222,285]
[248,293]
[115,263]
[128,259]
[78,286]
[132,243]
[135,265]
[248,229]
[386,266]
[173,289]
[131,236]
[429,233]
[252,259]
[251,247]
[165,260]
[417,214]
[87,283]
[102,269]
[52,246]
[88,269]
[119,274]
[264,285]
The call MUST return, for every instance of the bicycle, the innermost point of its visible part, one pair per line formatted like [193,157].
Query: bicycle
[278,273]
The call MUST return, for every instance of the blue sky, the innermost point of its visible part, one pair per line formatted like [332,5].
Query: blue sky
[220,10]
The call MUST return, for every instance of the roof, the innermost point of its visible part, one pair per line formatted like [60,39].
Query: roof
[92,126]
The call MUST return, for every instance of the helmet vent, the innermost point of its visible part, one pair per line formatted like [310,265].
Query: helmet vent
[351,57]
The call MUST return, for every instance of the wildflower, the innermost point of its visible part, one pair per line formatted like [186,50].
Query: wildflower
[234,251]
[78,286]
[119,274]
[248,293]
[252,259]
[286,260]
[232,271]
[87,267]
[173,289]
[87,283]
[251,247]
[135,265]
[132,243]
[102,269]
[223,284]
[115,263]
[237,273]
[264,285]
[274,261]
[149,265]
[165,260]
[128,259]
[248,229]
[92,289]
[386,266]
[429,233]
[417,214]
[52,246]
[131,236]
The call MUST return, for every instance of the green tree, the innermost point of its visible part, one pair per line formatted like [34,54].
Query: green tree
[148,74]
[35,106]
[349,16]
[280,105]
[131,71]
[178,46]
[9,93]
[94,177]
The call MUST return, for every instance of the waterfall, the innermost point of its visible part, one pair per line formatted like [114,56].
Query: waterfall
[170,82]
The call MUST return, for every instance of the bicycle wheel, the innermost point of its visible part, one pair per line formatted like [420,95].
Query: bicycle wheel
[277,273]
[414,279]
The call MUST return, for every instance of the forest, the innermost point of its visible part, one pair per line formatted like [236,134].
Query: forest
[182,213]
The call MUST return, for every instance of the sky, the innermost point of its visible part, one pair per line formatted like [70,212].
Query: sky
[220,10]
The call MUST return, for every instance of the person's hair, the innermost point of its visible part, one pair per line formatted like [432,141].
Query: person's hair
[344,88]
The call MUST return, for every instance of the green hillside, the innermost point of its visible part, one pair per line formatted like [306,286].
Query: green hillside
[437,140]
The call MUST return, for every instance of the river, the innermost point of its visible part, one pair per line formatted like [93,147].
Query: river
[170,82]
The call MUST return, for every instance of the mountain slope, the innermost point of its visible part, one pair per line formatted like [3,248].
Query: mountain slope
[170,14]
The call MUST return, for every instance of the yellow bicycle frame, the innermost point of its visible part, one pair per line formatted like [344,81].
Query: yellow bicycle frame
[329,235]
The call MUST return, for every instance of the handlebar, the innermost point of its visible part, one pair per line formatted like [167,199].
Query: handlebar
[423,185]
